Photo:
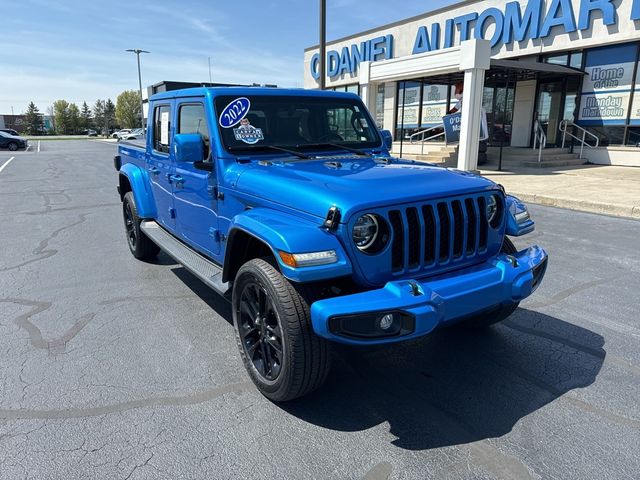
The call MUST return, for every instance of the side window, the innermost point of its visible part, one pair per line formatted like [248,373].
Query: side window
[161,128]
[191,119]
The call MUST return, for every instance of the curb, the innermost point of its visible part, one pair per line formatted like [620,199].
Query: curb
[627,211]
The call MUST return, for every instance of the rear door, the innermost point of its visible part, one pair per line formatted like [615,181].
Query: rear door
[160,165]
[194,189]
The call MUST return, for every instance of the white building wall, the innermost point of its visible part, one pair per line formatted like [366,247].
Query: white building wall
[390,91]
[405,34]
[523,107]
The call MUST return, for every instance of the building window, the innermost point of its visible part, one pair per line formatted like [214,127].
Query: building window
[606,93]
[434,105]
[355,88]
[420,105]
[408,109]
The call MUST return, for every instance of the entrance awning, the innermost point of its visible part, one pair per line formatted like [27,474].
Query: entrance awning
[512,70]
[528,70]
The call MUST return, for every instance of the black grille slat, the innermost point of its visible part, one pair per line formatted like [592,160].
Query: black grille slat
[413,224]
[430,234]
[458,228]
[445,231]
[484,225]
[472,223]
[397,245]
[438,233]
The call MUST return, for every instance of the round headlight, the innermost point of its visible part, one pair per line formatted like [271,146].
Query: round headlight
[365,231]
[492,210]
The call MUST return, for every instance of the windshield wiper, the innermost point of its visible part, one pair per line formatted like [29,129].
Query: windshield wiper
[335,145]
[267,147]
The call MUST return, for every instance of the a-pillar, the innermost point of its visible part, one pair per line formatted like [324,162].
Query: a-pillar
[475,60]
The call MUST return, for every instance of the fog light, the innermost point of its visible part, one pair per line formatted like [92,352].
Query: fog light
[386,321]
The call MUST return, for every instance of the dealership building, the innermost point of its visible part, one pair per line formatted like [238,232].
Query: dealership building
[555,64]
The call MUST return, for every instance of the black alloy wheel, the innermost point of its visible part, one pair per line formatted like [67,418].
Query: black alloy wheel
[129,226]
[13,146]
[283,356]
[141,246]
[260,332]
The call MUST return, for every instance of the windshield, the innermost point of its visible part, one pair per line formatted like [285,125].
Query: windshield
[255,121]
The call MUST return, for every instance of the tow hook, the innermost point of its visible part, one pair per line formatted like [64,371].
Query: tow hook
[415,288]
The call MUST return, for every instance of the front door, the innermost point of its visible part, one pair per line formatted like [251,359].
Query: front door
[194,190]
[550,109]
[160,166]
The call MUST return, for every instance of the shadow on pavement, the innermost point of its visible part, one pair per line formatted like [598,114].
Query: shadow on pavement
[217,303]
[455,386]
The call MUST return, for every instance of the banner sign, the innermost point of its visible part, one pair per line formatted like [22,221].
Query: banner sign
[452,125]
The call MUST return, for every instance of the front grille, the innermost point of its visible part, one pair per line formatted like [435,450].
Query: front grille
[438,233]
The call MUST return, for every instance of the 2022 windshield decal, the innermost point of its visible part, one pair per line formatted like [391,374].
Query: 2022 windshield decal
[233,113]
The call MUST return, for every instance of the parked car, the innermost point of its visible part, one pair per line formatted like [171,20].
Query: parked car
[10,131]
[12,142]
[315,233]
[135,134]
[120,133]
[92,133]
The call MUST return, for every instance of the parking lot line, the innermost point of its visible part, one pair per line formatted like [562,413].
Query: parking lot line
[6,163]
[38,146]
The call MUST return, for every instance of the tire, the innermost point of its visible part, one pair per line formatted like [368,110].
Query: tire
[283,330]
[140,245]
[498,314]
[13,146]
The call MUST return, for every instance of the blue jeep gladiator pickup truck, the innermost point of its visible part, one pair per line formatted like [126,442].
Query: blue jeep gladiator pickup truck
[289,203]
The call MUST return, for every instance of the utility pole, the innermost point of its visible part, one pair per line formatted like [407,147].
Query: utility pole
[323,43]
[137,51]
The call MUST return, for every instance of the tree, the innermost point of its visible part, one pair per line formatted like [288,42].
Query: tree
[98,114]
[61,115]
[74,118]
[85,116]
[35,122]
[104,113]
[109,114]
[128,109]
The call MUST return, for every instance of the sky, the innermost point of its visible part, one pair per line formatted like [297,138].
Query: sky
[75,50]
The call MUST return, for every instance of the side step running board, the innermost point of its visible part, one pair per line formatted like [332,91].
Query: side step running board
[204,269]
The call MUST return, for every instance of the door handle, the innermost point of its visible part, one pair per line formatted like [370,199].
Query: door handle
[177,179]
[154,171]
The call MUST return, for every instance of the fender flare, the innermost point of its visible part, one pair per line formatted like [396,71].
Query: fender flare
[516,208]
[292,234]
[141,187]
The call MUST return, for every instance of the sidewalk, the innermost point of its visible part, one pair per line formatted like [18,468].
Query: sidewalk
[591,188]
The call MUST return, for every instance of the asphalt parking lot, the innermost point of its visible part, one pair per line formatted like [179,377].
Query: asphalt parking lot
[114,368]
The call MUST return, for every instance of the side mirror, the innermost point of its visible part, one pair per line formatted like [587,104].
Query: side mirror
[387,139]
[189,147]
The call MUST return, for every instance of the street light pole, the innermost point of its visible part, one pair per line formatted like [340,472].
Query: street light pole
[323,43]
[137,51]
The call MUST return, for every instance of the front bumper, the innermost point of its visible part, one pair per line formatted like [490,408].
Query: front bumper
[505,279]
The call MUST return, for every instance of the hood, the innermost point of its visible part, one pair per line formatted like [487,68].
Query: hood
[17,137]
[353,183]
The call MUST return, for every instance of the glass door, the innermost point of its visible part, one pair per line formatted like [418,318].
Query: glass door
[550,109]
[498,103]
